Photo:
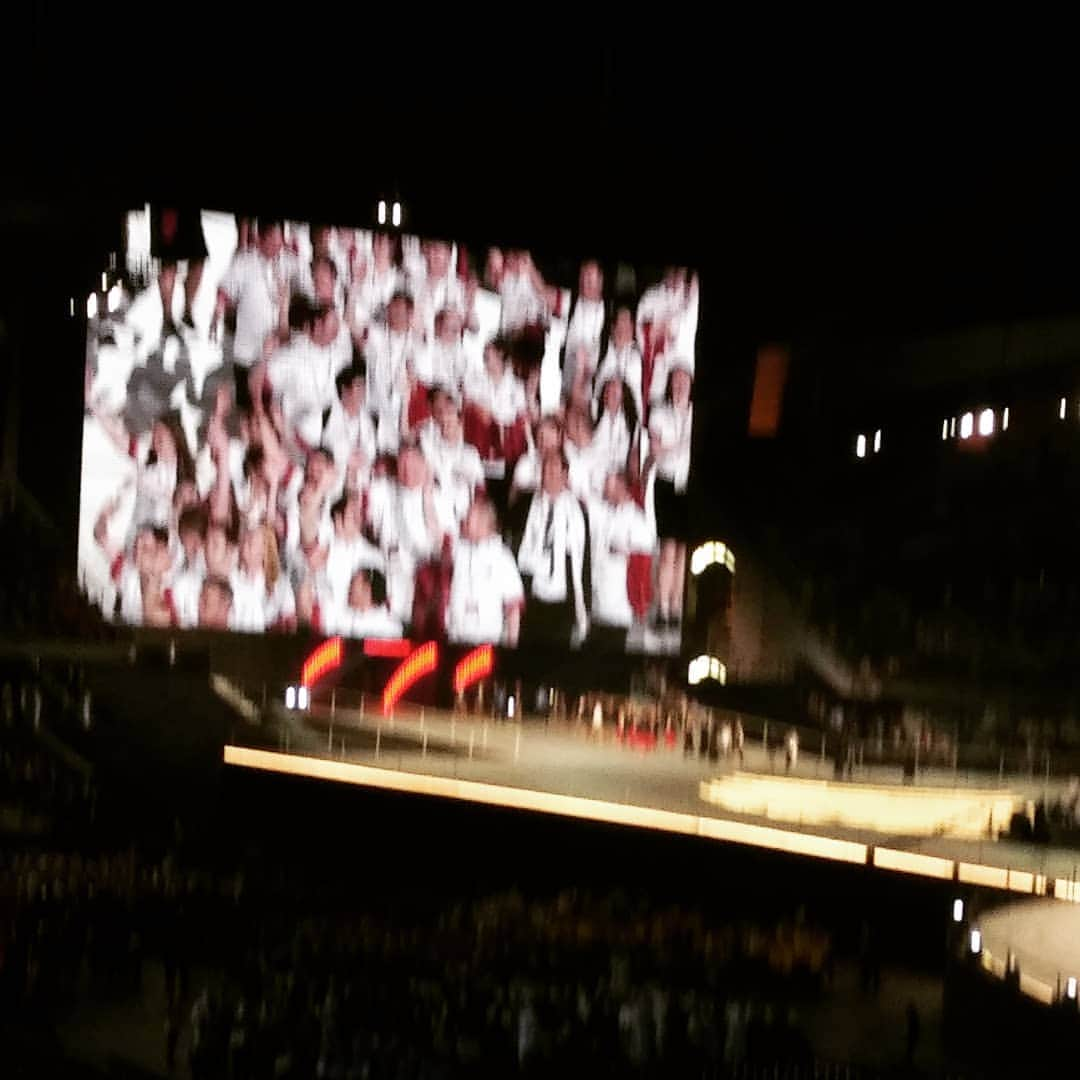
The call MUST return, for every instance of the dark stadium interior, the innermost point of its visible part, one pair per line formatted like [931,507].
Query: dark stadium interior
[905,601]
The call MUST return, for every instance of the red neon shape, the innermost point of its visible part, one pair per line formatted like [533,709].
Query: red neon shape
[396,647]
[414,667]
[323,658]
[473,667]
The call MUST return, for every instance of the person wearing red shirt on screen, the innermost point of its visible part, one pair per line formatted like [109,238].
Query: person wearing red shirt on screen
[495,418]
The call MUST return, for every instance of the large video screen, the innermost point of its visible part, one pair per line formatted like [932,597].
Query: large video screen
[369,433]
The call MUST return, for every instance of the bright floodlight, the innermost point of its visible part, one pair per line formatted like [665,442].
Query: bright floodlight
[877,440]
[860,446]
[510,706]
[944,429]
[72,307]
[290,697]
[1005,419]
[958,910]
[91,306]
[1070,987]
[382,212]
[967,425]
[1061,410]
[396,214]
[976,942]
[302,698]
[104,280]
[986,422]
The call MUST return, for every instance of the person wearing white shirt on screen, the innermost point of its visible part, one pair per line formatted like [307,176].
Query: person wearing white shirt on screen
[219,560]
[522,291]
[301,375]
[455,463]
[483,309]
[436,289]
[581,351]
[364,612]
[262,597]
[391,366]
[350,550]
[616,433]
[349,432]
[547,439]
[257,285]
[494,416]
[444,363]
[670,428]
[588,463]
[486,593]
[214,605]
[411,519]
[623,358]
[553,560]
[375,279]
[670,309]
[618,528]
[662,368]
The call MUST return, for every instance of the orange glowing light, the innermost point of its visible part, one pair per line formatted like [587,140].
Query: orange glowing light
[395,647]
[473,667]
[414,667]
[323,658]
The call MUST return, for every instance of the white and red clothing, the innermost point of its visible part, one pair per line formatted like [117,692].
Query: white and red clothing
[625,364]
[256,609]
[522,304]
[346,556]
[390,357]
[612,439]
[345,432]
[503,439]
[555,537]
[677,308]
[430,296]
[671,430]
[154,486]
[485,583]
[585,328]
[662,368]
[253,284]
[368,297]
[398,518]
[302,377]
[457,469]
[350,622]
[588,469]
[617,533]
[444,365]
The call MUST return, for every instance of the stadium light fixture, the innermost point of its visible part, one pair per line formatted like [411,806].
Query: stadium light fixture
[395,217]
[706,667]
[290,697]
[877,441]
[1070,987]
[510,705]
[986,422]
[1005,419]
[302,697]
[975,942]
[380,214]
[958,910]
[944,429]
[967,425]
[860,446]
[1061,410]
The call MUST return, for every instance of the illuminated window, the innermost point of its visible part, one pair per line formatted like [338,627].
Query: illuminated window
[967,425]
[986,422]
[860,446]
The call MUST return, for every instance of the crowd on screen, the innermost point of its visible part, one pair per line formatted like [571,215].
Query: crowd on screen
[373,456]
